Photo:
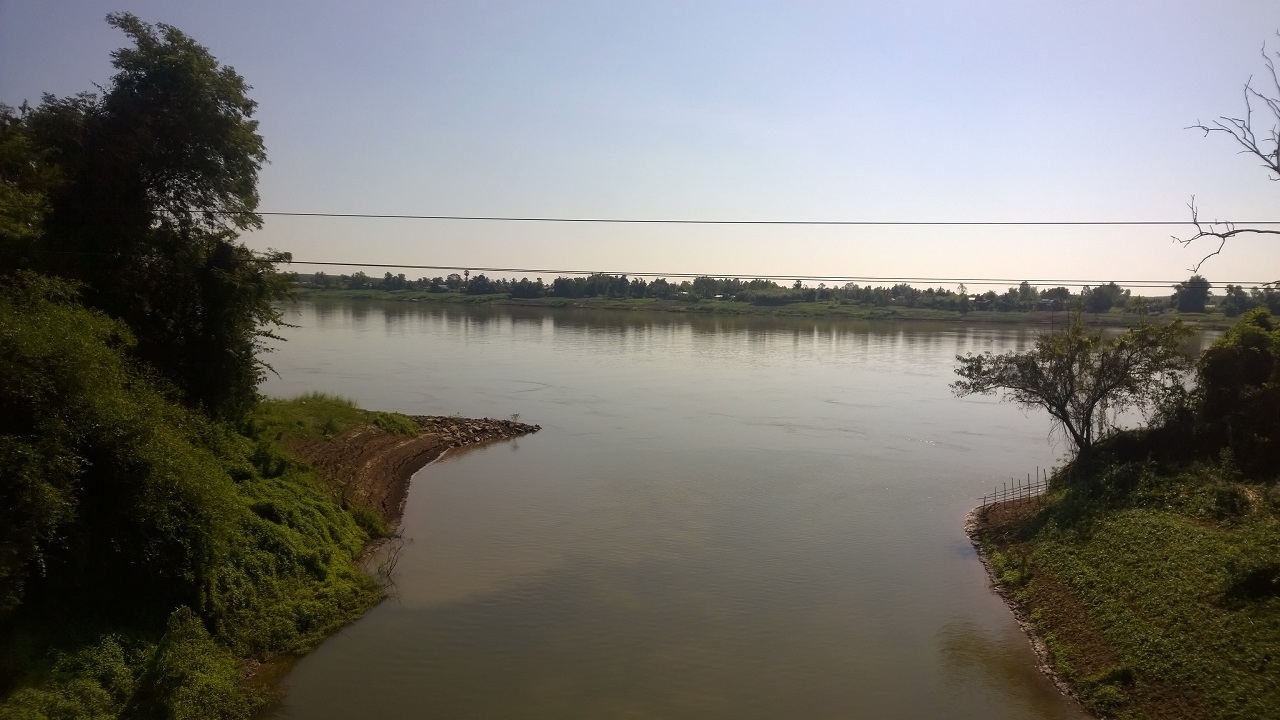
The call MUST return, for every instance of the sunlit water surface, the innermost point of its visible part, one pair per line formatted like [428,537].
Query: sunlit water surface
[721,518]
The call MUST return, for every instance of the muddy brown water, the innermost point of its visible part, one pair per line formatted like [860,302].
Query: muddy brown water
[721,518]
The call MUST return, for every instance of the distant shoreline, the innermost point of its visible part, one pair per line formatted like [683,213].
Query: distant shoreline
[815,310]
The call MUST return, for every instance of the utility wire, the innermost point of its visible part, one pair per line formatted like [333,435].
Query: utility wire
[823,278]
[688,221]
[537,272]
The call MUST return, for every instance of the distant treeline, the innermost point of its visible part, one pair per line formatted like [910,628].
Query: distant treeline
[1194,295]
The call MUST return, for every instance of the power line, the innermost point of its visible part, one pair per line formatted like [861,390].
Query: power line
[537,272]
[692,221]
[821,278]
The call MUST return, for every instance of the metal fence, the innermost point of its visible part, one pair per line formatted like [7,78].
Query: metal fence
[1034,486]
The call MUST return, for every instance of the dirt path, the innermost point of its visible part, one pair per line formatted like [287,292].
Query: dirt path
[371,467]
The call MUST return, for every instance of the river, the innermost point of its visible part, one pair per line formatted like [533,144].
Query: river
[723,517]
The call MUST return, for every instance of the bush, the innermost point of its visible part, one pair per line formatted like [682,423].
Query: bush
[396,424]
[118,505]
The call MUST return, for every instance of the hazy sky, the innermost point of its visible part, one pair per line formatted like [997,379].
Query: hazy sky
[936,110]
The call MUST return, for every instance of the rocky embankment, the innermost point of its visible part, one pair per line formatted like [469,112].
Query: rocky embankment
[371,467]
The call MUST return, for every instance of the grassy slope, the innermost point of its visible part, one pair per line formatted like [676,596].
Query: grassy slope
[287,580]
[1160,601]
[317,414]
[1117,318]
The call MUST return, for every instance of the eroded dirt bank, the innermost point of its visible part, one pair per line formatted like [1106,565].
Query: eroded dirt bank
[371,467]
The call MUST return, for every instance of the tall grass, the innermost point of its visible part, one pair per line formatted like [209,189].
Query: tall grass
[319,414]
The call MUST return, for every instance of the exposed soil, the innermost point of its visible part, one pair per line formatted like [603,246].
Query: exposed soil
[371,467]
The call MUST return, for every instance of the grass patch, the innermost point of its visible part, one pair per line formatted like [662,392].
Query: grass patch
[1160,601]
[396,424]
[320,415]
[310,415]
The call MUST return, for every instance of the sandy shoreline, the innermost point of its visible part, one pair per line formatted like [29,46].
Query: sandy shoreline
[974,524]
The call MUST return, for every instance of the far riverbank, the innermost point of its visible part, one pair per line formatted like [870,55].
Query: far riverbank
[830,310]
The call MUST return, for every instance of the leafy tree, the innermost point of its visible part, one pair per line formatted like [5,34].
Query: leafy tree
[83,438]
[1082,379]
[1236,301]
[481,285]
[1027,296]
[25,179]
[359,281]
[1058,294]
[1104,297]
[638,288]
[152,183]
[394,282]
[660,288]
[1268,297]
[118,505]
[1239,387]
[1192,295]
[705,287]
[526,289]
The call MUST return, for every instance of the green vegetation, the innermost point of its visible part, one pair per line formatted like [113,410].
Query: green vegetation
[310,415]
[1106,305]
[318,414]
[155,537]
[102,192]
[1082,379]
[1152,571]
[146,548]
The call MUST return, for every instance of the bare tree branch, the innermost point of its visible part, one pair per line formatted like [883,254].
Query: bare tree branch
[1245,132]
[1215,229]
[1243,129]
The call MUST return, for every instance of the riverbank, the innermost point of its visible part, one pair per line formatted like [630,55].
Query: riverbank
[249,539]
[1154,595]
[1000,520]
[366,462]
[370,467]
[832,310]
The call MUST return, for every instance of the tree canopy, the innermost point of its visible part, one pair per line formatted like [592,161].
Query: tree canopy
[139,195]
[1192,295]
[1081,378]
[146,545]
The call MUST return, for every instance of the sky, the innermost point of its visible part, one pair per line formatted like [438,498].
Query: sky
[854,111]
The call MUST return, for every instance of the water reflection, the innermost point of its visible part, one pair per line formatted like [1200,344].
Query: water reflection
[707,335]
[976,655]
